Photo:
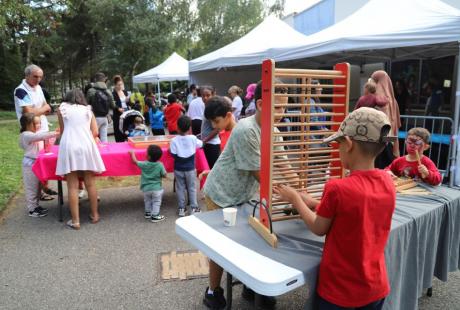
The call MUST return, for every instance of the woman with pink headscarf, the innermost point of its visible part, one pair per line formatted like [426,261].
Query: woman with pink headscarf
[384,91]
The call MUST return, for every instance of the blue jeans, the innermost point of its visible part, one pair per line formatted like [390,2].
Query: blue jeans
[102,124]
[186,182]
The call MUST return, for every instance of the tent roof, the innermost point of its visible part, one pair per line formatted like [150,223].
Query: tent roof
[173,68]
[252,48]
[383,24]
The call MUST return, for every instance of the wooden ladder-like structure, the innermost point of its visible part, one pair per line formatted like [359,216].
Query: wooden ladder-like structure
[292,152]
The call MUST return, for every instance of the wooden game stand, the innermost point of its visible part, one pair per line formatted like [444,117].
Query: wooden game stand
[297,157]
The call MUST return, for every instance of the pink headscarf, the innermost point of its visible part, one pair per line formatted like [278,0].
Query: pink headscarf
[250,90]
[384,90]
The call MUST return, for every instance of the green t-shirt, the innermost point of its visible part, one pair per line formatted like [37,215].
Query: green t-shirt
[151,175]
[230,181]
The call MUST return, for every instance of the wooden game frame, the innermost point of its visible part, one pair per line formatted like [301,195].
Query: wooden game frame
[312,163]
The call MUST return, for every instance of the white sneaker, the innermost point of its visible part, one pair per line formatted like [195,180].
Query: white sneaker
[195,210]
[181,212]
[81,194]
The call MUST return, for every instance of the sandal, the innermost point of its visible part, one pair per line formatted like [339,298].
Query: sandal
[46,197]
[72,225]
[94,220]
[49,191]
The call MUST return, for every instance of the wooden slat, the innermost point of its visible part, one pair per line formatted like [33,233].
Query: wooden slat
[308,75]
[275,173]
[307,71]
[263,231]
[285,218]
[290,85]
[282,153]
[295,105]
[316,96]
[307,114]
[301,133]
[306,124]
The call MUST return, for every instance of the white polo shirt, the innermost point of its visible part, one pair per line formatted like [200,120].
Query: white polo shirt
[26,95]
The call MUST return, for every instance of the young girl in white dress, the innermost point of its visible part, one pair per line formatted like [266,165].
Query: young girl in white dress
[78,153]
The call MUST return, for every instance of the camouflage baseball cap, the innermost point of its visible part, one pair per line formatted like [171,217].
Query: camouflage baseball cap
[364,124]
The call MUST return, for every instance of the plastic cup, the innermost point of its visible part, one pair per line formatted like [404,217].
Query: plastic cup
[230,216]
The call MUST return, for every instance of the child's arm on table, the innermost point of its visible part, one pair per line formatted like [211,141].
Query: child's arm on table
[318,225]
[133,156]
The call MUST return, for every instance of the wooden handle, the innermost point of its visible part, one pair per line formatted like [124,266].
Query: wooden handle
[418,158]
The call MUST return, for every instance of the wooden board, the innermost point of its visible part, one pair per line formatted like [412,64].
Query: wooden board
[183,265]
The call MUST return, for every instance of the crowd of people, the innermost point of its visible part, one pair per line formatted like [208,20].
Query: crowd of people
[229,132]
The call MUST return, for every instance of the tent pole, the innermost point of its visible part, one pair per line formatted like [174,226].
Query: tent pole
[159,97]
[455,164]
[170,83]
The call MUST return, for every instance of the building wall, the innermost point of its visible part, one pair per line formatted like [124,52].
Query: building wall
[454,3]
[344,8]
[316,18]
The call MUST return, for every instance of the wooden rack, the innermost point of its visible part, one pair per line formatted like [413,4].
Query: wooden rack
[292,153]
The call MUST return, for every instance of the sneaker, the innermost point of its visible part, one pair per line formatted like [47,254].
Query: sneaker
[157,218]
[195,210]
[216,300]
[49,191]
[37,213]
[147,215]
[181,212]
[267,302]
[81,194]
[43,210]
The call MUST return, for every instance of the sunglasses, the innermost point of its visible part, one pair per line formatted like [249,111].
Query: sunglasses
[416,142]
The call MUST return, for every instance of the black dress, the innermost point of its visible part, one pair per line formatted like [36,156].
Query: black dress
[119,136]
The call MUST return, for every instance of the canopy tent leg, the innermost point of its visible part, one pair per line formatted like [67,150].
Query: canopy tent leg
[170,83]
[159,91]
[455,164]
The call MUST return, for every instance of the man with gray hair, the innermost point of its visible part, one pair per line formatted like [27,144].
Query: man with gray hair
[29,97]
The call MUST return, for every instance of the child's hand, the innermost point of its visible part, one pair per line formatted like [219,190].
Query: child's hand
[203,174]
[423,170]
[131,152]
[393,176]
[286,193]
[58,131]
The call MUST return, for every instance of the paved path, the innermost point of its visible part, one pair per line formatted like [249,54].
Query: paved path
[114,264]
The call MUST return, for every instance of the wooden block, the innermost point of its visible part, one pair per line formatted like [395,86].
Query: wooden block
[263,231]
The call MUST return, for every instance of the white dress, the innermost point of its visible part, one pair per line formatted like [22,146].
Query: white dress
[77,148]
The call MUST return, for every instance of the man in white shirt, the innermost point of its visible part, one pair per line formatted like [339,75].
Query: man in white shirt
[28,96]
[196,114]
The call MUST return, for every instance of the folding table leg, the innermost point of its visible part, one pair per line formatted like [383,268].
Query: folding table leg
[229,290]
[60,200]
[429,292]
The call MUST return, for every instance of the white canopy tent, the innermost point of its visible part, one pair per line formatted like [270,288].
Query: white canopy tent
[381,31]
[390,30]
[251,49]
[174,68]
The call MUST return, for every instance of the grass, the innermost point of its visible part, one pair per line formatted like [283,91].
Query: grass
[10,160]
[110,182]
[7,115]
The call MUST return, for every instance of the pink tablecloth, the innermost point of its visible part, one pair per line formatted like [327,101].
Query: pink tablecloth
[116,159]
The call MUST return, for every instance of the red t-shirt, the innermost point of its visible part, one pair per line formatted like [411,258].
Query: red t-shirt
[402,167]
[172,113]
[224,135]
[370,101]
[352,272]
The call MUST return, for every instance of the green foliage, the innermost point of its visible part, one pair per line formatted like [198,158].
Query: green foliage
[10,160]
[73,39]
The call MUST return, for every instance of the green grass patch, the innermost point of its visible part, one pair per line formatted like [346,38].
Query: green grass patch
[10,161]
[7,115]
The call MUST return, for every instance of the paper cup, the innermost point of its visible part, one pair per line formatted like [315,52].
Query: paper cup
[229,216]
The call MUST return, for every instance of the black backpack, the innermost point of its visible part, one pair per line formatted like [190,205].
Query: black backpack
[101,103]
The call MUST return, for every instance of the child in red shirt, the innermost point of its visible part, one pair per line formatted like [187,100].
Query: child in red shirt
[355,215]
[415,164]
[172,113]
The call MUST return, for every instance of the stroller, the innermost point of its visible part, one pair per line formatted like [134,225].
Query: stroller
[127,122]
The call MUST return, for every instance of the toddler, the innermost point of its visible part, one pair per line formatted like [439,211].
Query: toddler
[152,172]
[139,128]
[370,99]
[183,148]
[31,141]
[415,164]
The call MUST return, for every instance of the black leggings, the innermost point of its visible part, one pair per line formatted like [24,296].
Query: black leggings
[325,305]
[212,152]
[196,126]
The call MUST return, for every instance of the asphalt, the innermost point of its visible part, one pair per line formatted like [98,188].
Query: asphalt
[114,264]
